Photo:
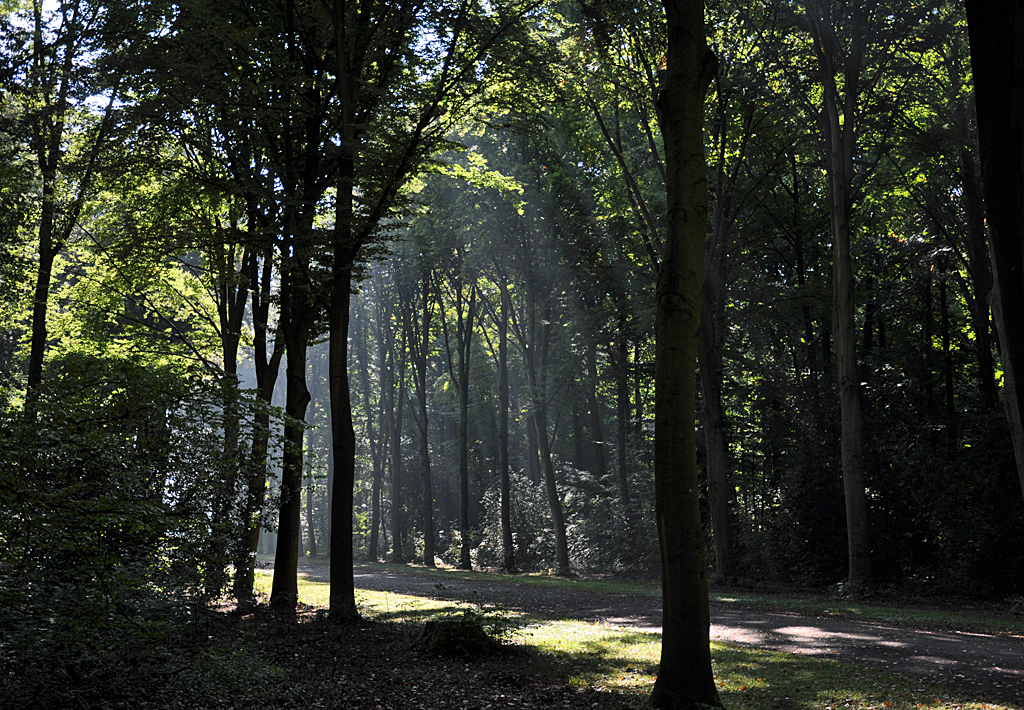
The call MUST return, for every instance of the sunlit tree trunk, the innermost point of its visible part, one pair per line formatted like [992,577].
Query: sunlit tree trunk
[685,678]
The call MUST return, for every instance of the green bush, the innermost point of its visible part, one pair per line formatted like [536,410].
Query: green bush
[109,545]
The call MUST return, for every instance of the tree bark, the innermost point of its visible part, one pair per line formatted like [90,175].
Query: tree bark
[507,544]
[980,267]
[839,144]
[685,679]
[266,378]
[295,327]
[420,347]
[593,404]
[996,29]
[395,422]
[465,340]
[622,401]
[342,594]
[711,343]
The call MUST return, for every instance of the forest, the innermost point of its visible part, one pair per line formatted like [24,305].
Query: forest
[289,280]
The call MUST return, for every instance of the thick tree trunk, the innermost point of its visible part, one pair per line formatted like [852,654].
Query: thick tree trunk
[342,595]
[685,679]
[40,304]
[996,30]
[285,591]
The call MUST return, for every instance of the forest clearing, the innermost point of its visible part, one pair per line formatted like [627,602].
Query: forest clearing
[583,297]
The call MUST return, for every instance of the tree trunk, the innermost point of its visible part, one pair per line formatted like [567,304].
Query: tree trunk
[535,354]
[395,422]
[839,134]
[947,361]
[980,269]
[996,29]
[596,428]
[711,344]
[295,326]
[507,545]
[639,435]
[377,446]
[342,594]
[685,679]
[266,378]
[622,402]
[465,341]
[533,449]
[420,347]
[551,487]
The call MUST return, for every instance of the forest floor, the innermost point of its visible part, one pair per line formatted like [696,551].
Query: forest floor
[989,665]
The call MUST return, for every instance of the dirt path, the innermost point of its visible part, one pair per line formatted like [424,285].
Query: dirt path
[991,665]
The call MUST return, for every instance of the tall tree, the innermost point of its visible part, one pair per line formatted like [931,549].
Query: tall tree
[685,679]
[839,122]
[997,58]
[420,339]
[411,100]
[462,288]
[67,137]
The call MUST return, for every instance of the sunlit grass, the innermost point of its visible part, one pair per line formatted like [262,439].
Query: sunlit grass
[625,661]
[963,620]
[385,606]
[542,579]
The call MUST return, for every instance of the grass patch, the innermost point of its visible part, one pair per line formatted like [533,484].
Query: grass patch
[543,579]
[959,619]
[375,605]
[625,661]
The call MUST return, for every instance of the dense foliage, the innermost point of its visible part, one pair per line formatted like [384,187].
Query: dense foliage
[454,227]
